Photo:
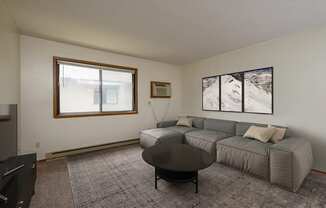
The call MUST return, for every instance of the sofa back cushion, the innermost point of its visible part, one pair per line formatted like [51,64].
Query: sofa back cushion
[220,125]
[288,132]
[197,122]
[242,127]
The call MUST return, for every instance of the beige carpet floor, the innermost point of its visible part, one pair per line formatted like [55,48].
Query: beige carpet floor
[53,189]
[119,178]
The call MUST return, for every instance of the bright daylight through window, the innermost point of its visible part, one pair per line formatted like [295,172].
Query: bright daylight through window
[91,89]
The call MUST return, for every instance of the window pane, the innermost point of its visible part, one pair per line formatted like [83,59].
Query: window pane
[79,89]
[117,90]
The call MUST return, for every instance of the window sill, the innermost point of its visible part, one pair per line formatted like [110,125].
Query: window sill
[92,114]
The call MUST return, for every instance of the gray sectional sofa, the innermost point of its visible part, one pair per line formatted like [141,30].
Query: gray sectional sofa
[286,163]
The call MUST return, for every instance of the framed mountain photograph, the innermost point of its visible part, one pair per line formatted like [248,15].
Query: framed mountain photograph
[211,93]
[231,92]
[258,91]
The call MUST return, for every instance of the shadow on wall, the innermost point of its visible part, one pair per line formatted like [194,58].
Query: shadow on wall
[160,109]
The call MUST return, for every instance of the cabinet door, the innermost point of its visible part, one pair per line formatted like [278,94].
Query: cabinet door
[26,179]
[10,191]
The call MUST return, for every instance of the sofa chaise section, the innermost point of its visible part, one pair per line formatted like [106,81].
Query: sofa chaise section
[151,137]
[168,131]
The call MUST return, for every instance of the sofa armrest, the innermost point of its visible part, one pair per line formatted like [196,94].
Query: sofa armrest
[290,162]
[164,124]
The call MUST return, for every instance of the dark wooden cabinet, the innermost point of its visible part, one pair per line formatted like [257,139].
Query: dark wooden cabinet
[17,188]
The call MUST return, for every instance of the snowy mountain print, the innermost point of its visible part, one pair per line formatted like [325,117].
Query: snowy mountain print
[231,92]
[211,93]
[258,91]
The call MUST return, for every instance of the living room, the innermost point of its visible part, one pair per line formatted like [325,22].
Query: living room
[176,60]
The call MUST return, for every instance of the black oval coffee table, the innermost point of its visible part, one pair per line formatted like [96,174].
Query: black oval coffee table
[177,163]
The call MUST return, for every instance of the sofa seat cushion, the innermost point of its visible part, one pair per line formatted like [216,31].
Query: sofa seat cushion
[181,129]
[205,140]
[197,122]
[207,135]
[151,137]
[248,155]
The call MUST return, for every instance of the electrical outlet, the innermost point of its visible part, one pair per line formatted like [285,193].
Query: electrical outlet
[37,144]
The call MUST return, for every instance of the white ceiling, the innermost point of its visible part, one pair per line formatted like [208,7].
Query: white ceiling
[173,31]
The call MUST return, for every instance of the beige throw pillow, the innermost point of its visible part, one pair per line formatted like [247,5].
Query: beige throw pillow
[184,121]
[278,135]
[262,134]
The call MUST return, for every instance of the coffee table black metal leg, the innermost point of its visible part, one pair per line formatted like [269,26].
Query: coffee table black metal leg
[155,178]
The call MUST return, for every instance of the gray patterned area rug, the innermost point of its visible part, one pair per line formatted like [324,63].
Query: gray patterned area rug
[120,178]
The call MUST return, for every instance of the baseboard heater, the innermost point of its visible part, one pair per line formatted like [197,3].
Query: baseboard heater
[64,153]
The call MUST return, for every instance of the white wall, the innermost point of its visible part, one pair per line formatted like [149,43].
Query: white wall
[299,63]
[9,58]
[37,122]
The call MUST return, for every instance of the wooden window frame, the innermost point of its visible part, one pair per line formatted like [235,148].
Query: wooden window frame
[56,89]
